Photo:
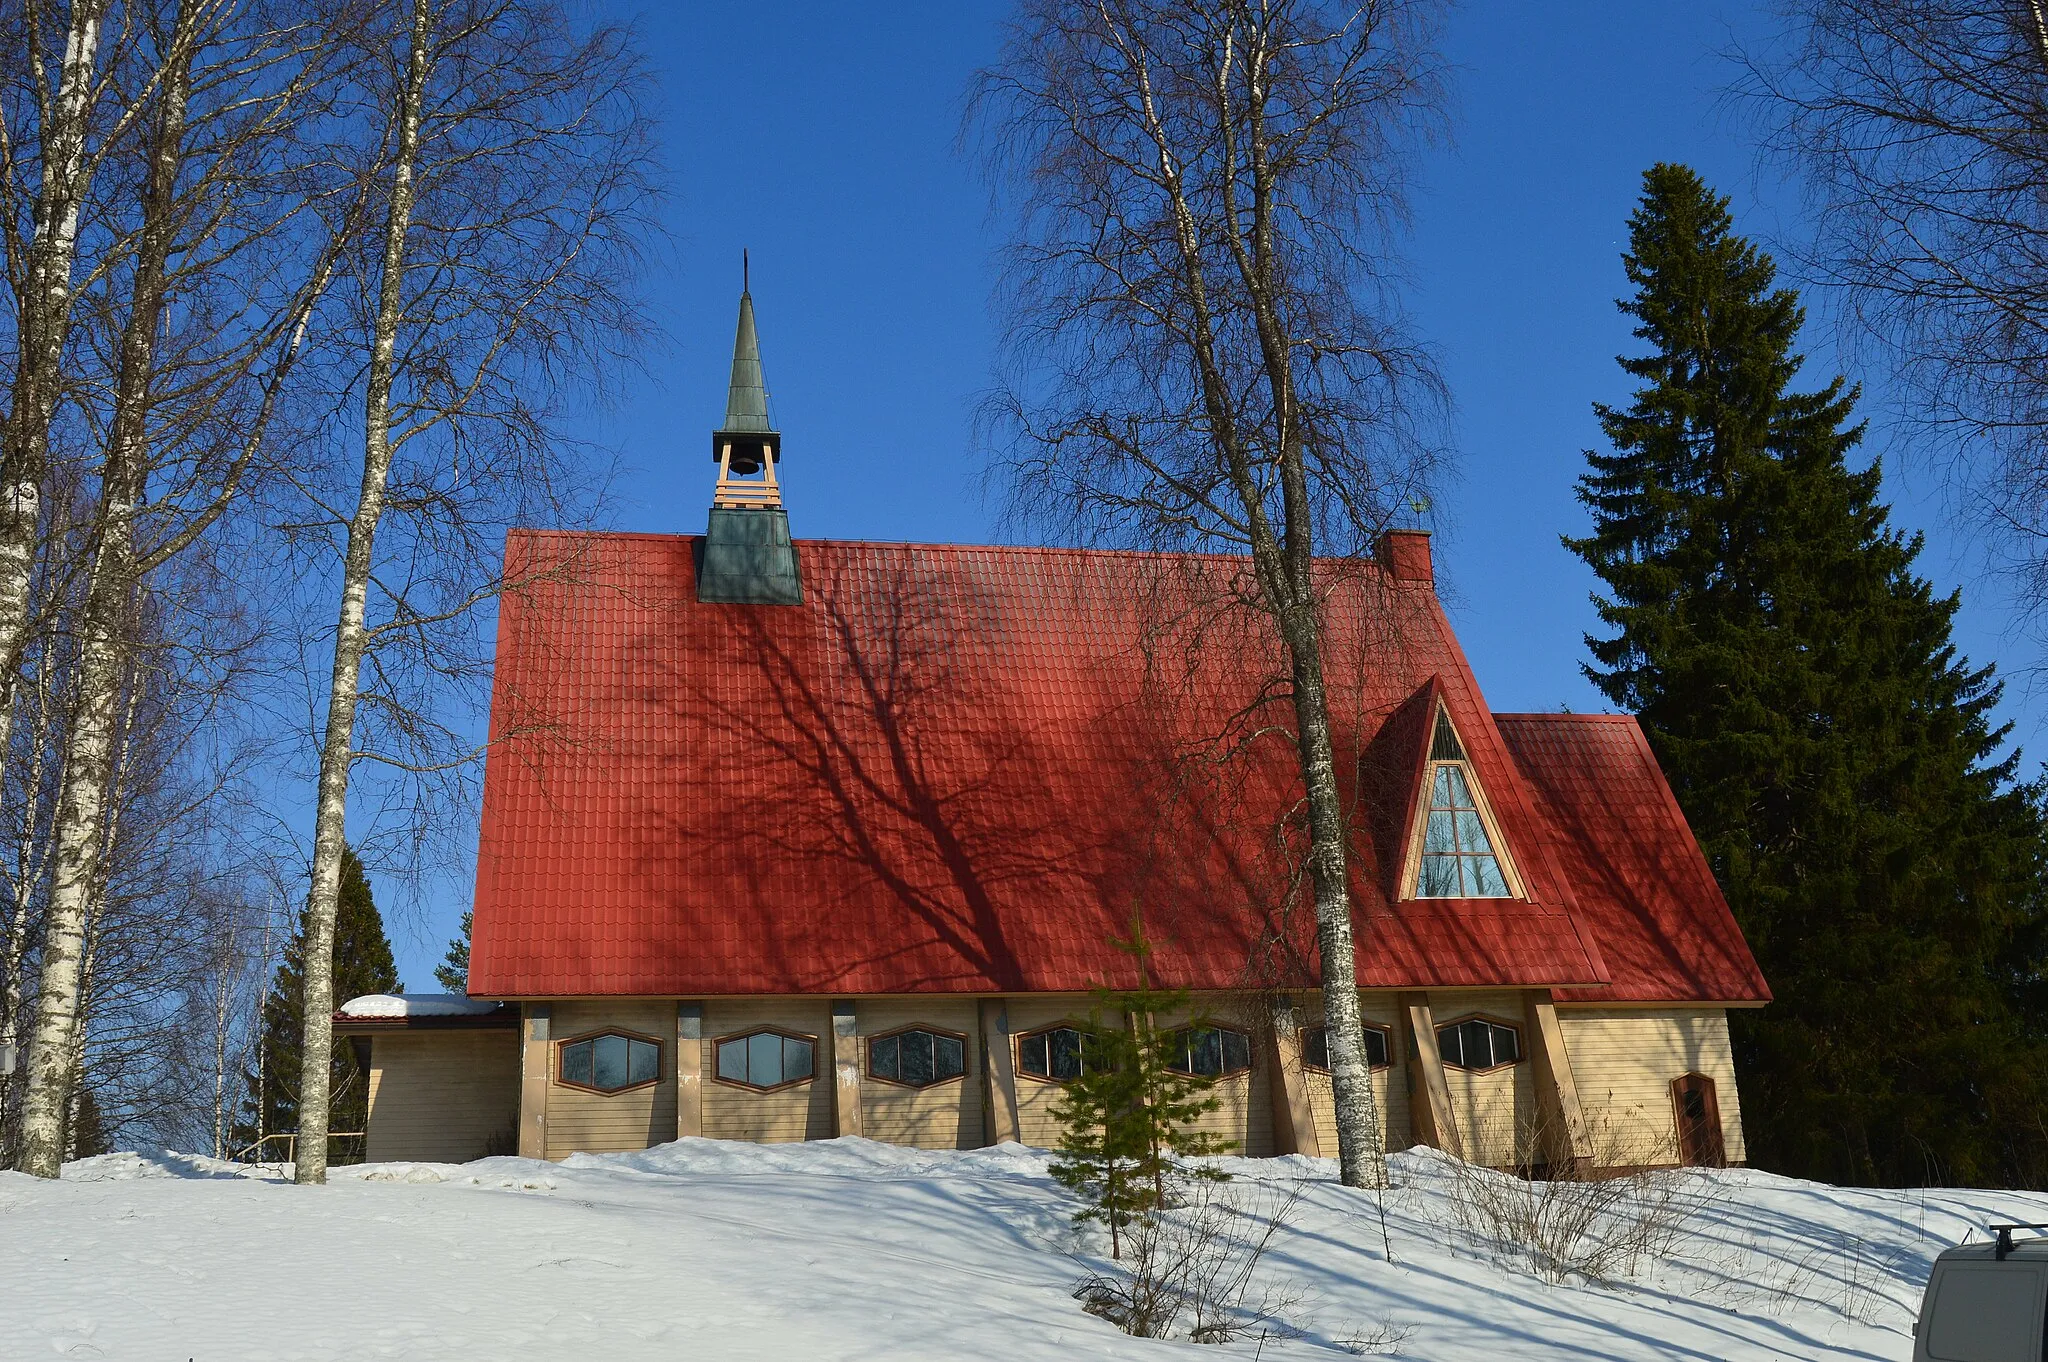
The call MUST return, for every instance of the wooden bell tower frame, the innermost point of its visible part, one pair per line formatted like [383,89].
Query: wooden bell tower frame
[739,491]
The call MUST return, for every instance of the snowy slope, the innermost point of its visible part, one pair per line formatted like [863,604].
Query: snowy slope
[848,1249]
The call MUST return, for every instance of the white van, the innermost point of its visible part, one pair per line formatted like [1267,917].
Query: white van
[1987,1302]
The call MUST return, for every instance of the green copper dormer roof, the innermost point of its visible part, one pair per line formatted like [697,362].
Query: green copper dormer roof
[746,401]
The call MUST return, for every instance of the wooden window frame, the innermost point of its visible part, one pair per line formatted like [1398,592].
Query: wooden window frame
[1411,870]
[1386,1032]
[1017,1049]
[1521,1042]
[868,1056]
[1251,1057]
[781,1031]
[562,1048]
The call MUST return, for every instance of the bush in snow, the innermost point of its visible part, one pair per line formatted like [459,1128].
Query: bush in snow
[1595,1226]
[1190,1270]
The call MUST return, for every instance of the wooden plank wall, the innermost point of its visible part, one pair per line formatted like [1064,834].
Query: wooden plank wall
[1625,1059]
[1390,1086]
[603,1123]
[1496,1109]
[943,1116]
[800,1112]
[443,1096]
[1244,1117]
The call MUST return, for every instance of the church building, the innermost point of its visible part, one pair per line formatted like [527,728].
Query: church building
[789,839]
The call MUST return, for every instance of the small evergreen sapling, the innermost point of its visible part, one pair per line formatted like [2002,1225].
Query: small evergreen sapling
[1127,1121]
[453,971]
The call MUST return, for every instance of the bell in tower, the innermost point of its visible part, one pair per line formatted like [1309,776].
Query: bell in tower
[746,557]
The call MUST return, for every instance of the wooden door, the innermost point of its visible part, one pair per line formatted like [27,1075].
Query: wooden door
[1699,1122]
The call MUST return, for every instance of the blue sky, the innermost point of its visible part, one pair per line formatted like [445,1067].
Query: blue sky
[822,138]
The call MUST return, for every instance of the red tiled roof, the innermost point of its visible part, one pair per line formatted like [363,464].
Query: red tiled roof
[955,769]
[1643,886]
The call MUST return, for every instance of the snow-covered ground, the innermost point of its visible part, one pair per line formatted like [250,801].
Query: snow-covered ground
[849,1249]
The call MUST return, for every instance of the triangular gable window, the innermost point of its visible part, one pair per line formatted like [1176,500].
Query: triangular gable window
[1444,744]
[1458,857]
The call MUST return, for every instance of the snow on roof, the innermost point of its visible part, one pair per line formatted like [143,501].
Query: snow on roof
[416,1005]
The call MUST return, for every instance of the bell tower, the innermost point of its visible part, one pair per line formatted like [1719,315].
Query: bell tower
[745,557]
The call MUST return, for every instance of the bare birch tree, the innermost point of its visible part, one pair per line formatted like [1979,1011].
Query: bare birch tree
[202,338]
[1922,129]
[171,856]
[1208,350]
[59,120]
[513,177]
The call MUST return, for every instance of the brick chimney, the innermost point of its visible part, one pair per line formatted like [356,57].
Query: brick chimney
[1405,555]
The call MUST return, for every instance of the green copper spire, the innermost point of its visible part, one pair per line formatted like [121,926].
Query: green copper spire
[747,428]
[746,401]
[745,556]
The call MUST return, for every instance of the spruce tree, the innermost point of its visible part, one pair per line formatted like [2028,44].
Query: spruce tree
[1127,1123]
[1832,751]
[453,971]
[363,964]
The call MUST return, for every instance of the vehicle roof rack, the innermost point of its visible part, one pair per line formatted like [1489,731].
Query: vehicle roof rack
[2004,1234]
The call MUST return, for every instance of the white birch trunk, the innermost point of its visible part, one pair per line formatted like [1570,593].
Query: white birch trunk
[32,854]
[13,953]
[75,1059]
[81,816]
[41,329]
[1287,573]
[83,808]
[226,972]
[1361,1143]
[350,636]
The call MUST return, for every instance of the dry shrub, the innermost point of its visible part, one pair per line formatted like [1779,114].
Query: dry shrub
[1845,1272]
[1385,1337]
[1562,1225]
[1187,1272]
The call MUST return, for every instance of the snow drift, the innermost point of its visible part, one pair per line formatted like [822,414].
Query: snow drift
[851,1249]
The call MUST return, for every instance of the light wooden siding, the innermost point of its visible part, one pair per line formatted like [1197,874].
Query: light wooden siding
[1496,1111]
[443,1096]
[803,1111]
[944,1116]
[1035,1096]
[602,1123]
[1244,1116]
[1389,1086]
[1624,1060]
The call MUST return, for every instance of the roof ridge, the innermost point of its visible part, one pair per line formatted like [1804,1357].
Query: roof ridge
[1048,550]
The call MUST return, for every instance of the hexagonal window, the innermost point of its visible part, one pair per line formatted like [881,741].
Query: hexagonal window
[917,1058]
[766,1059]
[611,1061]
[1476,1043]
[1209,1051]
[1315,1047]
[1056,1054]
